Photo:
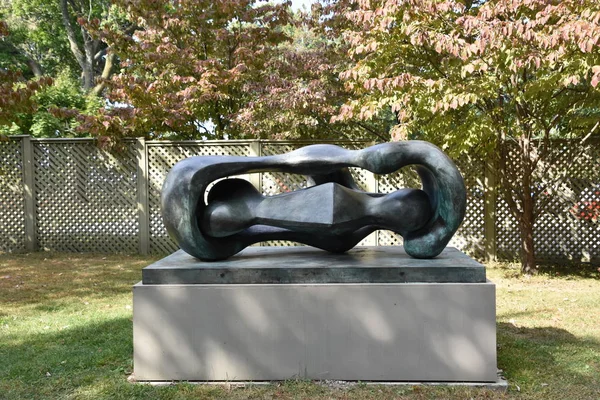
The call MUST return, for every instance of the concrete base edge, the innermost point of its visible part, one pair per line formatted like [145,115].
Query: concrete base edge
[500,385]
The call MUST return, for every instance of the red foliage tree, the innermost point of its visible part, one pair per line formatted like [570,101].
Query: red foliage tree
[16,93]
[188,67]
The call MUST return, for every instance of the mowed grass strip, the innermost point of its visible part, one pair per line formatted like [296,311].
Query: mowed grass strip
[66,333]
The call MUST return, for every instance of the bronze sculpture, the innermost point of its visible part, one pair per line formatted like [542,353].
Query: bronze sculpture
[333,214]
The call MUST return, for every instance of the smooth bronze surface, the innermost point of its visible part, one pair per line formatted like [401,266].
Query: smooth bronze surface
[333,215]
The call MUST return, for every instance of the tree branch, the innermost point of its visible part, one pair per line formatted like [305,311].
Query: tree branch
[100,54]
[66,19]
[371,131]
[106,72]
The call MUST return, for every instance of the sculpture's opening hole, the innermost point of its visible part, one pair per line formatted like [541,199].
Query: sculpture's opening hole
[246,177]
[406,177]
[274,183]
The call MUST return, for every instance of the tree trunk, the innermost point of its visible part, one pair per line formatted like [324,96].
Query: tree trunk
[85,57]
[35,67]
[66,19]
[527,214]
[106,72]
[88,77]
[528,265]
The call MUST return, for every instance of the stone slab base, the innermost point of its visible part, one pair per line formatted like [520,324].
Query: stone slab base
[303,264]
[438,332]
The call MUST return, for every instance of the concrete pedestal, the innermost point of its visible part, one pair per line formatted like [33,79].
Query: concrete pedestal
[344,331]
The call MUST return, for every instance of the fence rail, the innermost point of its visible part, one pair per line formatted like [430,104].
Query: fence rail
[70,195]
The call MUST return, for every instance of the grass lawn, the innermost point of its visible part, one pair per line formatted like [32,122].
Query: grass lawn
[66,333]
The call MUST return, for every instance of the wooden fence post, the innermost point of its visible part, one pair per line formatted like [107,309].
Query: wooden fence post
[31,242]
[489,208]
[256,151]
[142,196]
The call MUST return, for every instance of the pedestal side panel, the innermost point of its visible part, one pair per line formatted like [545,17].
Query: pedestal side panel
[367,332]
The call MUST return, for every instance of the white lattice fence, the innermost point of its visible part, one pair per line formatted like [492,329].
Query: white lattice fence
[70,195]
[85,197]
[161,159]
[12,203]
[470,237]
[568,226]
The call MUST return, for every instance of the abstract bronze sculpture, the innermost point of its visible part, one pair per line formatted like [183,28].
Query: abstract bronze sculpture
[333,213]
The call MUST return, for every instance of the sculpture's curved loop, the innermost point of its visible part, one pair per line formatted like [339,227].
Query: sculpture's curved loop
[425,236]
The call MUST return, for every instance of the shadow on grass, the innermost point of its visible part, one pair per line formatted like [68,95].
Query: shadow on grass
[60,363]
[551,270]
[579,270]
[92,362]
[545,356]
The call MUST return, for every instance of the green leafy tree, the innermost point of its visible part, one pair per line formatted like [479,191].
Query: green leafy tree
[471,74]
[16,92]
[57,39]
[37,44]
[58,108]
[48,35]
[53,109]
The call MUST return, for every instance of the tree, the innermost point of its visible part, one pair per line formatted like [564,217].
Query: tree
[36,45]
[16,93]
[88,49]
[58,107]
[188,66]
[300,91]
[470,74]
[48,36]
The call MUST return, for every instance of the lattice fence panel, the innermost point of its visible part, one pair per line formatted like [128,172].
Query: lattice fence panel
[507,227]
[85,197]
[470,236]
[568,226]
[12,206]
[161,158]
